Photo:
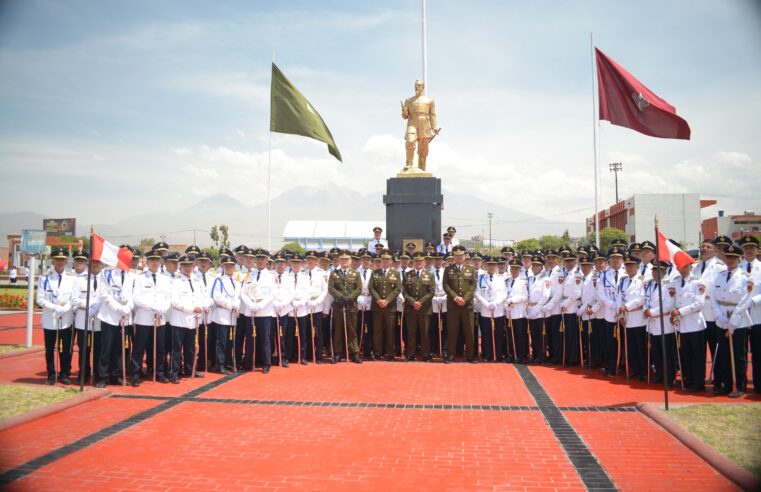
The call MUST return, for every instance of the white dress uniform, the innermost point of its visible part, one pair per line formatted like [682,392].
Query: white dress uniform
[54,295]
[491,293]
[539,289]
[689,298]
[515,306]
[226,293]
[652,307]
[631,296]
[729,289]
[258,297]
[79,301]
[187,293]
[116,304]
[152,297]
[752,303]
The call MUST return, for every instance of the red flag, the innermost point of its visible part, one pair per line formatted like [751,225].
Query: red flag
[668,251]
[625,101]
[110,254]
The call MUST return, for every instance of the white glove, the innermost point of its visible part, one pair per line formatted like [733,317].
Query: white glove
[312,305]
[721,321]
[94,310]
[58,311]
[125,310]
[734,321]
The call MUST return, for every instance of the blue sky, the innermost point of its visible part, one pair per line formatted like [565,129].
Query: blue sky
[155,105]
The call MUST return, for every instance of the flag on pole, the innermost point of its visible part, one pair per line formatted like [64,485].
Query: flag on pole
[291,113]
[668,251]
[110,254]
[625,101]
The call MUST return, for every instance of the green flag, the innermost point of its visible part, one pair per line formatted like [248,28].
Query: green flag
[290,112]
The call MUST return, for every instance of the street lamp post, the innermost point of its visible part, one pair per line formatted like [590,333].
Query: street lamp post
[615,167]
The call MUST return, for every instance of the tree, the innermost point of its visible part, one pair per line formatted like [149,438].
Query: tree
[607,236]
[220,236]
[295,247]
[554,242]
[146,243]
[526,244]
[566,237]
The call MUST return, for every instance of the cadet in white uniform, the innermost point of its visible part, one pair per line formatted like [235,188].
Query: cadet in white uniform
[189,299]
[364,301]
[439,306]
[654,315]
[54,296]
[752,303]
[517,299]
[687,317]
[284,289]
[729,289]
[259,294]
[204,275]
[152,297]
[569,305]
[226,295]
[491,294]
[79,302]
[631,300]
[706,270]
[538,294]
[115,313]
[607,288]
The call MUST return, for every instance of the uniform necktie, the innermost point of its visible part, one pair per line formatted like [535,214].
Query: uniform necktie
[747,267]
[682,281]
[258,272]
[95,283]
[702,267]
[364,275]
[122,278]
[203,277]
[616,276]
[491,277]
[190,282]
[279,277]
[232,284]
[437,273]
[154,279]
[60,276]
[417,273]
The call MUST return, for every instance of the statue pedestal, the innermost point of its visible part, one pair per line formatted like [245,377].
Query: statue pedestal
[413,211]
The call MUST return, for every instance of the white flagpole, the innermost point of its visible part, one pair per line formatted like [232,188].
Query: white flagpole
[594,140]
[269,174]
[425,51]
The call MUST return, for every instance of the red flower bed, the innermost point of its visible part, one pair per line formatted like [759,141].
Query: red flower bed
[10,301]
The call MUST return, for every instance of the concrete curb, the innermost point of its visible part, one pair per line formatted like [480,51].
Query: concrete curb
[21,351]
[740,476]
[38,413]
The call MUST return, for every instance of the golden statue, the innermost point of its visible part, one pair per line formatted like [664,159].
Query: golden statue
[420,113]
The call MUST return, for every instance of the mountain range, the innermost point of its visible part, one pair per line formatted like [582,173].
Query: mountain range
[248,224]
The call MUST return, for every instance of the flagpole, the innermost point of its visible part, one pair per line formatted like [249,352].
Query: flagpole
[594,138]
[269,172]
[425,49]
[663,330]
[82,370]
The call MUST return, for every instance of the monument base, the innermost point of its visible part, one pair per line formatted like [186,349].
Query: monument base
[413,210]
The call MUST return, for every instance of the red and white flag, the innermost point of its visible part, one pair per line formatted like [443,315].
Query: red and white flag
[110,254]
[668,251]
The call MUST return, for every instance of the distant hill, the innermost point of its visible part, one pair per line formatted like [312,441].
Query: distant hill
[332,202]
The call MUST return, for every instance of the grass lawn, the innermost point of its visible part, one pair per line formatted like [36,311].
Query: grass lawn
[732,429]
[19,398]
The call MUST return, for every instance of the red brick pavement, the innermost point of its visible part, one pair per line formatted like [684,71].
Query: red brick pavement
[235,445]
[640,455]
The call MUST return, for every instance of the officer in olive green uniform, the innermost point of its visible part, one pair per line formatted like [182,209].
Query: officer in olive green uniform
[345,285]
[460,285]
[419,287]
[384,286]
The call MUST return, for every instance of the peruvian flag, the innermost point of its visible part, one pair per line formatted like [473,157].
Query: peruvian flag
[625,101]
[110,254]
[668,251]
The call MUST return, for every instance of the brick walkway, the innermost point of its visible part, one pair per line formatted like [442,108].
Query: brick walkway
[377,426]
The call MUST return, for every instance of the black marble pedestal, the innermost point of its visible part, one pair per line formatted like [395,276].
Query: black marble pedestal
[413,211]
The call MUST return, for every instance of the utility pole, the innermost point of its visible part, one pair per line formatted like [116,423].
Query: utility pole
[490,215]
[615,167]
